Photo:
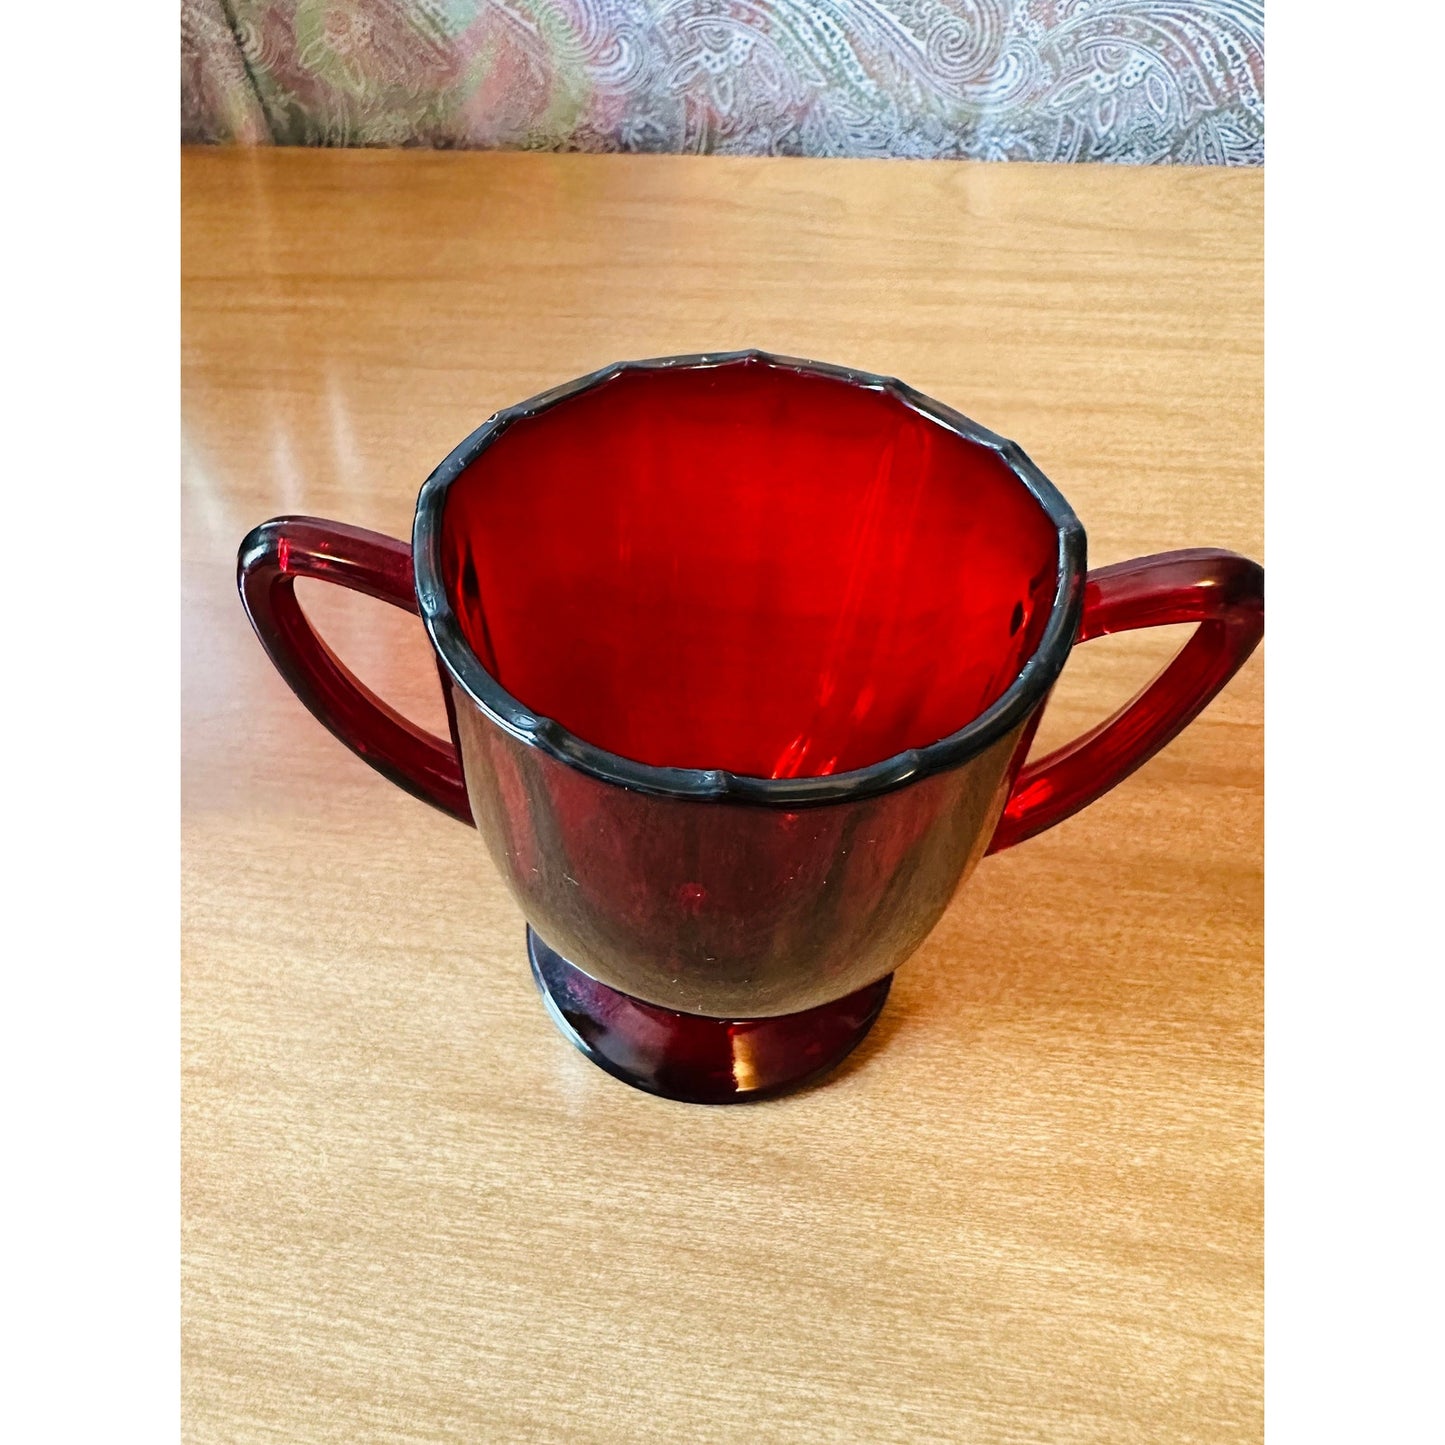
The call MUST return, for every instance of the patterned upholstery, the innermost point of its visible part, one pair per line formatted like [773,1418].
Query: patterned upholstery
[1049,80]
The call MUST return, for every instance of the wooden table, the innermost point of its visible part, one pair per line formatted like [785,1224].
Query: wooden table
[1030,1207]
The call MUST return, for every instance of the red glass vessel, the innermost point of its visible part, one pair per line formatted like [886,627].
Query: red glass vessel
[742,658]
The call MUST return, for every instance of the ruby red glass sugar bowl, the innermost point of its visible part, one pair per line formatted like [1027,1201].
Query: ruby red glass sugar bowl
[742,658]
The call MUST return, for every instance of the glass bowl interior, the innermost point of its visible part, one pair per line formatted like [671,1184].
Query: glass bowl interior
[747,567]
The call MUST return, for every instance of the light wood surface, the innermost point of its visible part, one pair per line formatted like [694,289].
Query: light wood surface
[1030,1207]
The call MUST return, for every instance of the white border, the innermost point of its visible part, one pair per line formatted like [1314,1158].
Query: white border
[91,719]
[1353,511]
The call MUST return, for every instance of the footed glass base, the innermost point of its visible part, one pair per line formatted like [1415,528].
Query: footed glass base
[694,1059]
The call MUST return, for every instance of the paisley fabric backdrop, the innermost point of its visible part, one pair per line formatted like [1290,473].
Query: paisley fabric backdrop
[1049,80]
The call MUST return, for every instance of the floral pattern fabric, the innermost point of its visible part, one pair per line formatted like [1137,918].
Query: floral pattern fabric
[218,101]
[1136,81]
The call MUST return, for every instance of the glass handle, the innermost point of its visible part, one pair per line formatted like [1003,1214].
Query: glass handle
[1221,591]
[270,560]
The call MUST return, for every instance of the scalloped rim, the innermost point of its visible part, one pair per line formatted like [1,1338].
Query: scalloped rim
[1028,689]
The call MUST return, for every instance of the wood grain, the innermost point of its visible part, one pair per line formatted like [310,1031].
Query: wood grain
[1030,1207]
